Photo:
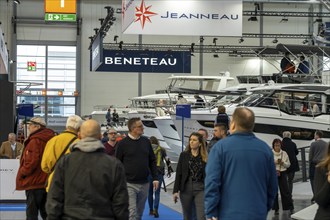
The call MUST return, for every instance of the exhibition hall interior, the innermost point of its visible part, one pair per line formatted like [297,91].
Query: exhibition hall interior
[166,70]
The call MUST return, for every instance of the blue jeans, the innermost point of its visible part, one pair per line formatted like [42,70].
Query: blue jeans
[154,204]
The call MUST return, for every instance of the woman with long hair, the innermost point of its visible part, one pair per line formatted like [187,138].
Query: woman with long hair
[161,156]
[282,162]
[322,187]
[190,175]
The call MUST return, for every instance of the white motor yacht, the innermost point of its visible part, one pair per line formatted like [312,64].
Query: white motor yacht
[150,106]
[298,108]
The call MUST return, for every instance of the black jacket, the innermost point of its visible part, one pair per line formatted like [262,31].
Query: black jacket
[322,193]
[182,172]
[291,149]
[88,184]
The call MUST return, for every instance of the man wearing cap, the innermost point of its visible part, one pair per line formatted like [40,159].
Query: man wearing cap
[59,145]
[11,149]
[30,177]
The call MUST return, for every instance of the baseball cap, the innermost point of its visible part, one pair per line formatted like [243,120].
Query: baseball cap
[37,120]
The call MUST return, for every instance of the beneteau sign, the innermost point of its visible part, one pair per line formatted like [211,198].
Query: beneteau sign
[145,61]
[198,17]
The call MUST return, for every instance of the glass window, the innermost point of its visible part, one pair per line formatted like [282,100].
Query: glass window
[55,70]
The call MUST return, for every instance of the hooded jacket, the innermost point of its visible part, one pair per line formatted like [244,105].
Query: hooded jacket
[30,175]
[88,184]
[53,151]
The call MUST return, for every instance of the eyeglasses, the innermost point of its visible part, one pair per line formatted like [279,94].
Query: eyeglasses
[112,133]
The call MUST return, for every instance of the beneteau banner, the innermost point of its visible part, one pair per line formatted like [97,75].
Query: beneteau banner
[192,18]
[146,61]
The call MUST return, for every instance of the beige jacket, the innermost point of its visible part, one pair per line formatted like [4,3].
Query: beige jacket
[7,152]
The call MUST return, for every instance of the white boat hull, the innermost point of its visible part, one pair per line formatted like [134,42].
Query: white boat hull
[167,128]
[269,124]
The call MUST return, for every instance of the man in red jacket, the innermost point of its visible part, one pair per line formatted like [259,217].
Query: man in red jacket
[30,177]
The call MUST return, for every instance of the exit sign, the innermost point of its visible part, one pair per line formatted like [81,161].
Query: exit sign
[60,17]
[31,66]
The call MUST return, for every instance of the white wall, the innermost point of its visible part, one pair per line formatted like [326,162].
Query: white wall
[108,88]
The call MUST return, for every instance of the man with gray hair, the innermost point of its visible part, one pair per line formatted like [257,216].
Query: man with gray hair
[291,149]
[11,149]
[88,183]
[59,145]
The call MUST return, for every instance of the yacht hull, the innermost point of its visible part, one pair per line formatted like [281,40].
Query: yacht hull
[269,124]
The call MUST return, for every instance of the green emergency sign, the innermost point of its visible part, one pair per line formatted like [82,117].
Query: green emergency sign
[60,17]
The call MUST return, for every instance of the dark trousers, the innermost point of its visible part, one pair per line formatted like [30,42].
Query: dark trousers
[35,202]
[290,180]
[192,200]
[286,196]
[311,174]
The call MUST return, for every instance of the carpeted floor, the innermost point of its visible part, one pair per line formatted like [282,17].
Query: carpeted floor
[165,213]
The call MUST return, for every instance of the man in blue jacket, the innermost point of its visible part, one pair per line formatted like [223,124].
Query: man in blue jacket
[241,180]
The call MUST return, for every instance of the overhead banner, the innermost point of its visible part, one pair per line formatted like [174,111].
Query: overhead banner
[96,52]
[146,61]
[192,18]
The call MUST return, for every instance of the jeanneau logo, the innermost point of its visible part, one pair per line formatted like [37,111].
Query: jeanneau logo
[143,13]
[199,16]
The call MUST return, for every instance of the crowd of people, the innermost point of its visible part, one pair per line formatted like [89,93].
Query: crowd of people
[73,175]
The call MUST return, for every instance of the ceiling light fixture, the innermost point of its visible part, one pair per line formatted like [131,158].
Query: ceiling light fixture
[305,41]
[275,41]
[284,20]
[121,45]
[253,18]
[215,41]
[192,49]
[115,38]
[256,9]
[319,20]
[241,40]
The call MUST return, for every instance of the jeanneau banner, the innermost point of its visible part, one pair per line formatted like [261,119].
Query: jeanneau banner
[146,61]
[191,18]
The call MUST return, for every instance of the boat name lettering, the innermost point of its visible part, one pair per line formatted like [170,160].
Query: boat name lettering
[140,61]
[210,16]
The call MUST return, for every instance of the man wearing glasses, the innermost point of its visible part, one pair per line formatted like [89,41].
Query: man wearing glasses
[136,153]
[110,146]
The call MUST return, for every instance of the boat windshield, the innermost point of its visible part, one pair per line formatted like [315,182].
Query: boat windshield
[255,98]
